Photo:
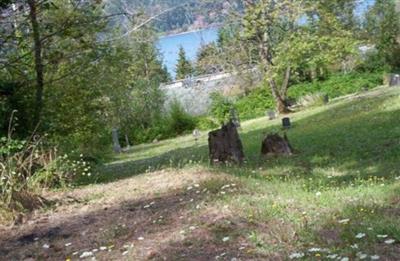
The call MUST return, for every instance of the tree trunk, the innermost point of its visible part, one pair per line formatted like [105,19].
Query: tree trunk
[281,106]
[38,61]
[225,145]
[275,145]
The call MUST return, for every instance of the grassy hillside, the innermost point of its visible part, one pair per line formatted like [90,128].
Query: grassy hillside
[338,197]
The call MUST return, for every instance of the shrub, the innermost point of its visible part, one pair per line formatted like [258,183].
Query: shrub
[338,85]
[255,104]
[206,123]
[59,171]
[29,165]
[179,120]
[220,107]
[315,99]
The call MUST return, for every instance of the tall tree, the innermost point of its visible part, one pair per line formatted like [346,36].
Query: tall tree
[184,67]
[285,42]
[37,46]
[382,29]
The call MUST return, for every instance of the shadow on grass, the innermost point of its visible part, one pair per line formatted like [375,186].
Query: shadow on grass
[349,141]
[152,225]
[366,228]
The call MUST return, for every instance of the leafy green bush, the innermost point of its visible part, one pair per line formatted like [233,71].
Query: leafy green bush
[59,172]
[338,85]
[220,107]
[255,104]
[259,100]
[179,121]
[206,123]
[26,167]
[313,99]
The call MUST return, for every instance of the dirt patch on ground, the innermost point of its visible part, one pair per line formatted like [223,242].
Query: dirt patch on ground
[153,216]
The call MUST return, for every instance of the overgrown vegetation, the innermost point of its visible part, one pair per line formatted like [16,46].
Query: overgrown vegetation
[259,100]
[71,75]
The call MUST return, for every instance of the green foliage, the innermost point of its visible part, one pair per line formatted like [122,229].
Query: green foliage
[259,100]
[28,166]
[220,107]
[208,60]
[60,172]
[255,104]
[175,122]
[184,68]
[180,121]
[382,28]
[338,85]
[206,123]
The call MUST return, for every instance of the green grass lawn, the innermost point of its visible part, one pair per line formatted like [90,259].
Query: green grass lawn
[338,196]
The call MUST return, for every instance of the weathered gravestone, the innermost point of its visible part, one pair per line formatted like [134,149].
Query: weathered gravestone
[271,115]
[392,79]
[274,145]
[115,139]
[286,124]
[225,145]
[395,80]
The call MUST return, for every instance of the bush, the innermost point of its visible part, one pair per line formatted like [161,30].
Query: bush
[27,166]
[220,107]
[59,171]
[258,101]
[315,99]
[180,121]
[338,85]
[255,104]
[206,123]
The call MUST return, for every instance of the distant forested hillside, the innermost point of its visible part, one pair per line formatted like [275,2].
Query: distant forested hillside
[183,15]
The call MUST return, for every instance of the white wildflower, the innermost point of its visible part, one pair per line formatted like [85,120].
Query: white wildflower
[355,246]
[345,259]
[318,194]
[140,238]
[389,241]
[314,249]
[361,255]
[333,256]
[381,236]
[68,244]
[344,221]
[296,255]
[125,253]
[360,235]
[225,239]
[375,257]
[46,246]
[103,248]
[86,254]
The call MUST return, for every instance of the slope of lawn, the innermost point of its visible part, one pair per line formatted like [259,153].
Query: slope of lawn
[337,197]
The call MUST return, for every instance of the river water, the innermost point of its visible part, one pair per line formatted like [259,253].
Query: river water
[191,43]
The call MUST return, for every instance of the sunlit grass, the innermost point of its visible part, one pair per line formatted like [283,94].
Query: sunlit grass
[332,199]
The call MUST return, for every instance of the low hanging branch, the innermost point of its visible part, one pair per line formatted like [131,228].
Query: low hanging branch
[145,22]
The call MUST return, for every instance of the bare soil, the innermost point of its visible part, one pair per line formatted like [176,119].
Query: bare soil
[165,215]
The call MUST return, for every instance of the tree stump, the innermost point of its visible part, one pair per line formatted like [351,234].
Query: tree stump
[225,145]
[275,145]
